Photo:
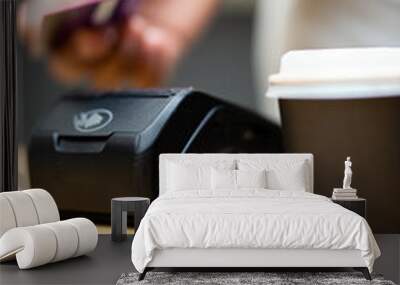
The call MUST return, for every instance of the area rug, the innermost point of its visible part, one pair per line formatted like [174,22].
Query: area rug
[243,278]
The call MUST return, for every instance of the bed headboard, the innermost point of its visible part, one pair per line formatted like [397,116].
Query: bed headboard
[307,157]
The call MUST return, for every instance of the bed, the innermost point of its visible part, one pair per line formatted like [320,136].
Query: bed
[247,210]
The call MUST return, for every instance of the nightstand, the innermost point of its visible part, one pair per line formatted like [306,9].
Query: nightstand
[358,206]
[119,210]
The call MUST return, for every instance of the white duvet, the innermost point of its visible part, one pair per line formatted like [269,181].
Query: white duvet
[250,219]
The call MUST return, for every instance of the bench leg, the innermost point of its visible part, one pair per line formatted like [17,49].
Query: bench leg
[364,271]
[142,275]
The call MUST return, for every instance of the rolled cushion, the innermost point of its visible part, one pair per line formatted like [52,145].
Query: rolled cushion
[26,208]
[23,208]
[41,244]
[7,218]
[33,246]
[45,205]
[67,240]
[87,235]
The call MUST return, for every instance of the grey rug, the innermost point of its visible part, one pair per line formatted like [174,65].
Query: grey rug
[229,278]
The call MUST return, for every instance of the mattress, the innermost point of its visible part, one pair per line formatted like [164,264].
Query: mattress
[250,219]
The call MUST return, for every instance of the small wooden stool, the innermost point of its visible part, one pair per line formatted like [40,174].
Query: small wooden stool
[119,210]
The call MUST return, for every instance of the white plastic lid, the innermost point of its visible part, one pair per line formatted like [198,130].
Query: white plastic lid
[337,74]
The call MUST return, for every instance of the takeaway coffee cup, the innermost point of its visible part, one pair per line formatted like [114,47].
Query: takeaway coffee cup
[346,102]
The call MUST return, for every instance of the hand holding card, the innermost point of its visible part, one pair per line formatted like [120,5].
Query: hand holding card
[121,43]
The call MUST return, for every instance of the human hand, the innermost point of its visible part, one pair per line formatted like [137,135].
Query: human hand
[142,51]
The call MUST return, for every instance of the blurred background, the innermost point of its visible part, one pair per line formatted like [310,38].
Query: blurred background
[226,45]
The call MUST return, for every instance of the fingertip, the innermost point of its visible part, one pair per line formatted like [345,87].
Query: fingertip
[162,50]
[136,23]
[132,36]
[155,38]
[155,45]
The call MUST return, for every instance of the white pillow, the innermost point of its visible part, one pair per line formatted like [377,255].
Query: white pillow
[292,179]
[223,179]
[181,178]
[281,175]
[184,175]
[237,179]
[251,178]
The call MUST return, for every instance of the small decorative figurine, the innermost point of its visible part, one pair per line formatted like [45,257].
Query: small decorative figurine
[347,192]
[348,173]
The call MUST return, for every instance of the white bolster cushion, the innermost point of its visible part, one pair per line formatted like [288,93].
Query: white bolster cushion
[87,235]
[23,208]
[26,208]
[41,244]
[7,219]
[67,240]
[45,205]
[32,246]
